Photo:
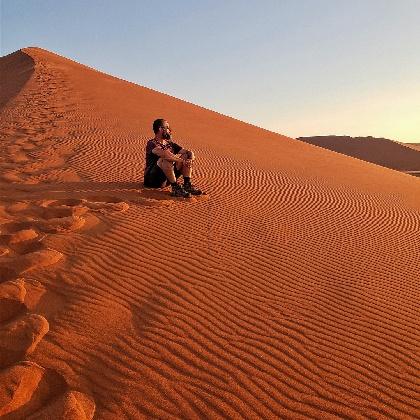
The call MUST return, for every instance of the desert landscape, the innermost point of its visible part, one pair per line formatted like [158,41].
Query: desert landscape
[290,291]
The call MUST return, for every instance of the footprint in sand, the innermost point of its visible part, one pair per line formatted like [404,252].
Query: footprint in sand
[25,388]
[12,297]
[97,204]
[49,220]
[70,405]
[15,232]
[22,242]
[20,332]
[43,210]
[37,259]
[13,266]
[12,176]
[13,149]
[20,236]
[60,216]
[58,211]
[17,207]
[104,208]
[49,209]
[22,252]
[19,337]
[28,146]
[19,158]
[38,393]
[28,390]
[62,224]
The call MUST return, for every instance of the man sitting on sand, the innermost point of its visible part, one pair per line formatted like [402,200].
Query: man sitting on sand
[166,161]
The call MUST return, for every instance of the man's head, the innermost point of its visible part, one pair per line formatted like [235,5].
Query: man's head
[161,128]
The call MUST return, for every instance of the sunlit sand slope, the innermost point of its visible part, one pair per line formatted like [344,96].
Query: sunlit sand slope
[291,291]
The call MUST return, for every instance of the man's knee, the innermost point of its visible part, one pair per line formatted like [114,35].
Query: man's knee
[165,164]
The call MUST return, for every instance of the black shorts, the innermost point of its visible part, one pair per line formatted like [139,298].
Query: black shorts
[155,178]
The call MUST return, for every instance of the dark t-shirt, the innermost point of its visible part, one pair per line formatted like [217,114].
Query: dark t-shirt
[151,158]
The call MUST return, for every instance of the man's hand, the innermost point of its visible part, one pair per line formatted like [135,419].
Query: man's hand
[188,163]
[171,157]
[190,155]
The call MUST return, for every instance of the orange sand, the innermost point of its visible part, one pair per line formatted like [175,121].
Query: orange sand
[292,291]
[404,157]
[414,145]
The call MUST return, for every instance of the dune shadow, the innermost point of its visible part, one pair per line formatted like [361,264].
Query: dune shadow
[73,193]
[15,70]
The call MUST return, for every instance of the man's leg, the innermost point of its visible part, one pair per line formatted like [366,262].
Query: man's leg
[186,171]
[168,169]
[154,177]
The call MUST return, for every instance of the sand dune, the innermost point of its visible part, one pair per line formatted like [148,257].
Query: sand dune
[291,291]
[404,157]
[414,145]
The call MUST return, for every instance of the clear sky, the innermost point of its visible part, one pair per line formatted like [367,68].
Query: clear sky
[296,67]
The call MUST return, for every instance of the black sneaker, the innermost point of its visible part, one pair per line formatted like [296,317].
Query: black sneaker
[192,189]
[179,191]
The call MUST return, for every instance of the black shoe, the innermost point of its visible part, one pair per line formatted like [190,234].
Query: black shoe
[192,189]
[179,191]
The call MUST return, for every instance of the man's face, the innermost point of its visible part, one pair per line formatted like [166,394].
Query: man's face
[165,130]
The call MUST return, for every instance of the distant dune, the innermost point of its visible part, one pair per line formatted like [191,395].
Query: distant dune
[414,145]
[291,291]
[404,157]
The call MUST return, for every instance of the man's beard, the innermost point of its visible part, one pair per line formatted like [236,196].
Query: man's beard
[166,136]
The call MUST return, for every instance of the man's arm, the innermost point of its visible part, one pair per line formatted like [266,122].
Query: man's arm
[179,150]
[189,154]
[166,154]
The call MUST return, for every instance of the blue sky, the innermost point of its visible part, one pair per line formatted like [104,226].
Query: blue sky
[296,67]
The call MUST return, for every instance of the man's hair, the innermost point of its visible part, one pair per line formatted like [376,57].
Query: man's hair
[157,124]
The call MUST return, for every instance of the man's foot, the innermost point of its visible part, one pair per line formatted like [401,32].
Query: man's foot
[192,189]
[179,191]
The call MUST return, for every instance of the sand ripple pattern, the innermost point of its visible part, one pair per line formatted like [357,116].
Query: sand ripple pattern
[226,325]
